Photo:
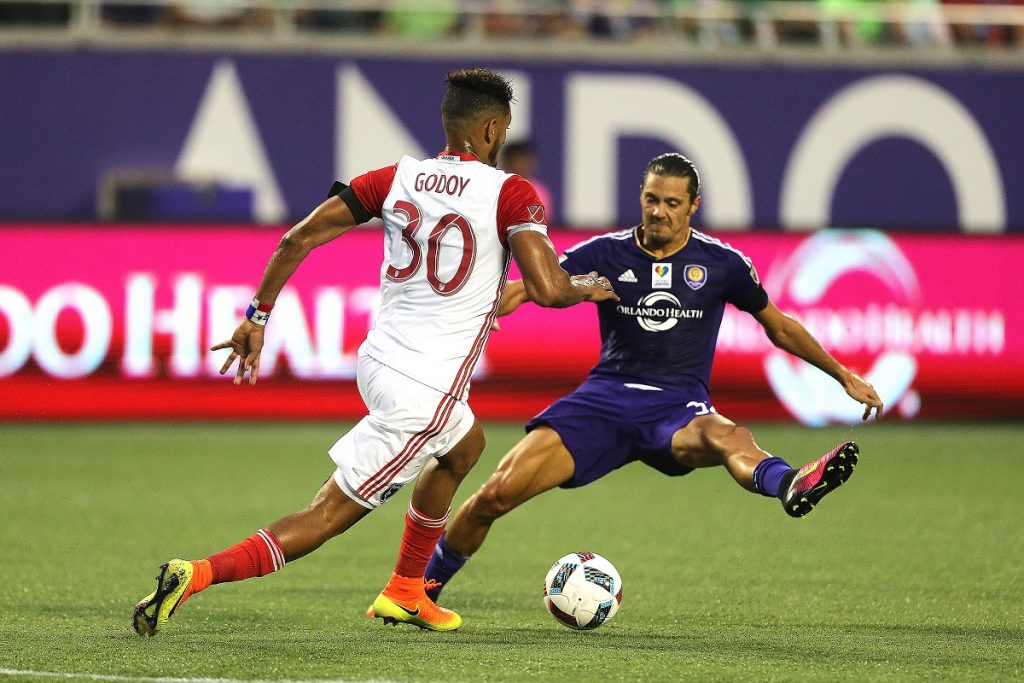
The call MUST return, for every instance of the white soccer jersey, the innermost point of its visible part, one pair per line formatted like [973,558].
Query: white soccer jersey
[446,226]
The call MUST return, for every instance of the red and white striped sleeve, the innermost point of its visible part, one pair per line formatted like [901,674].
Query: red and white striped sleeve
[373,187]
[519,208]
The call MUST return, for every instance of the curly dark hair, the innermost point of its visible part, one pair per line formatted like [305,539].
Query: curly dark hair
[674,165]
[473,93]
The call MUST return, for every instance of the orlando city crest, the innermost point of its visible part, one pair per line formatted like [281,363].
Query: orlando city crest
[695,276]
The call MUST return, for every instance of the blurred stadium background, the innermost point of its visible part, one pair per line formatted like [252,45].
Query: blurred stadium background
[867,155]
[153,152]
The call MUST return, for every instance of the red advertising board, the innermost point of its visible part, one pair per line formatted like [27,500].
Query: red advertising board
[116,322]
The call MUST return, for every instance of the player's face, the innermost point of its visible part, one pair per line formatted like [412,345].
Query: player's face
[667,208]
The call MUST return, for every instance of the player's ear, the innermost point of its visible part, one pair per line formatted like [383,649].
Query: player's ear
[491,130]
[694,205]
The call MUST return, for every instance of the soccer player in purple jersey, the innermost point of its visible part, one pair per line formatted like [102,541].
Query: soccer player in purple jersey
[647,397]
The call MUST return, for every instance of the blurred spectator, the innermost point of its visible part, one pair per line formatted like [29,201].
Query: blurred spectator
[707,21]
[925,25]
[758,24]
[499,24]
[217,14]
[422,18]
[356,21]
[856,21]
[614,19]
[132,15]
[520,157]
[504,20]
[35,13]
[981,34]
[559,21]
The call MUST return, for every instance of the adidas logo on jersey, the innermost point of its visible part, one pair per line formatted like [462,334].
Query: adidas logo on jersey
[627,276]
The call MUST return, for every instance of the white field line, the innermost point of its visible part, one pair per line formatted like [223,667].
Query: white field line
[69,675]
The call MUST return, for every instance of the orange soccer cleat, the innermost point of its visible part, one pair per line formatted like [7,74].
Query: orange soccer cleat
[405,601]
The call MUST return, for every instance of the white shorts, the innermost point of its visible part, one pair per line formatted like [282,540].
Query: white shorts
[408,424]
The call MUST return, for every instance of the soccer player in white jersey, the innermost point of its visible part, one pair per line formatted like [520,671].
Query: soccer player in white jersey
[451,224]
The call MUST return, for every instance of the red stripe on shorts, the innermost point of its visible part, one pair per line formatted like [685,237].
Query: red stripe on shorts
[386,473]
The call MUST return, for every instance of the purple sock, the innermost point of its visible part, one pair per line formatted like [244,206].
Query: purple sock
[768,475]
[444,563]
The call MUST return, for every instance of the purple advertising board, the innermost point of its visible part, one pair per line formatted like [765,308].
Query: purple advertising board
[800,147]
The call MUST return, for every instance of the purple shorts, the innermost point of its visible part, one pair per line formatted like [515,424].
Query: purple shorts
[607,423]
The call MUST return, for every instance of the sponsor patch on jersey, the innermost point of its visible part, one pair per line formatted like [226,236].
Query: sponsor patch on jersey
[661,275]
[659,311]
[536,212]
[696,276]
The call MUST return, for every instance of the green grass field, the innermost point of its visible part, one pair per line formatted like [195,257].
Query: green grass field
[914,571]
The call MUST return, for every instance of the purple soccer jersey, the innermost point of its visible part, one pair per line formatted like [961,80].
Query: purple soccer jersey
[664,329]
[657,347]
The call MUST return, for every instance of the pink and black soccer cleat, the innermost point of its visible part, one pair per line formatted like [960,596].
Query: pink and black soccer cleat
[817,478]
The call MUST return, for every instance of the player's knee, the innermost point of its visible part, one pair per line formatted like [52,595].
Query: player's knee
[491,502]
[330,512]
[712,437]
[464,457]
[460,464]
[726,437]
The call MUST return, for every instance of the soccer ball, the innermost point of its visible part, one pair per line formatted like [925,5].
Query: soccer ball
[582,590]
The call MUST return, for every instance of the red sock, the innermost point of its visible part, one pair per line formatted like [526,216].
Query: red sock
[418,541]
[257,555]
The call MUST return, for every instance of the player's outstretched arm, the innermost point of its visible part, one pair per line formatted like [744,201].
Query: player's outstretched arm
[788,334]
[331,219]
[545,282]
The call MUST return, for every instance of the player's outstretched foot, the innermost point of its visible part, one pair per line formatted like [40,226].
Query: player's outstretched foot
[816,479]
[403,601]
[171,590]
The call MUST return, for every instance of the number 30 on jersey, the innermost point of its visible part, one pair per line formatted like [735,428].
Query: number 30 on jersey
[450,221]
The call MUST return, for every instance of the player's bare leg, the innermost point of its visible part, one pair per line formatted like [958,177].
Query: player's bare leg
[711,440]
[539,462]
[404,599]
[439,480]
[330,513]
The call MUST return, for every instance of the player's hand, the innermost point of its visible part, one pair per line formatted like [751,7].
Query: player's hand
[245,344]
[596,287]
[860,390]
